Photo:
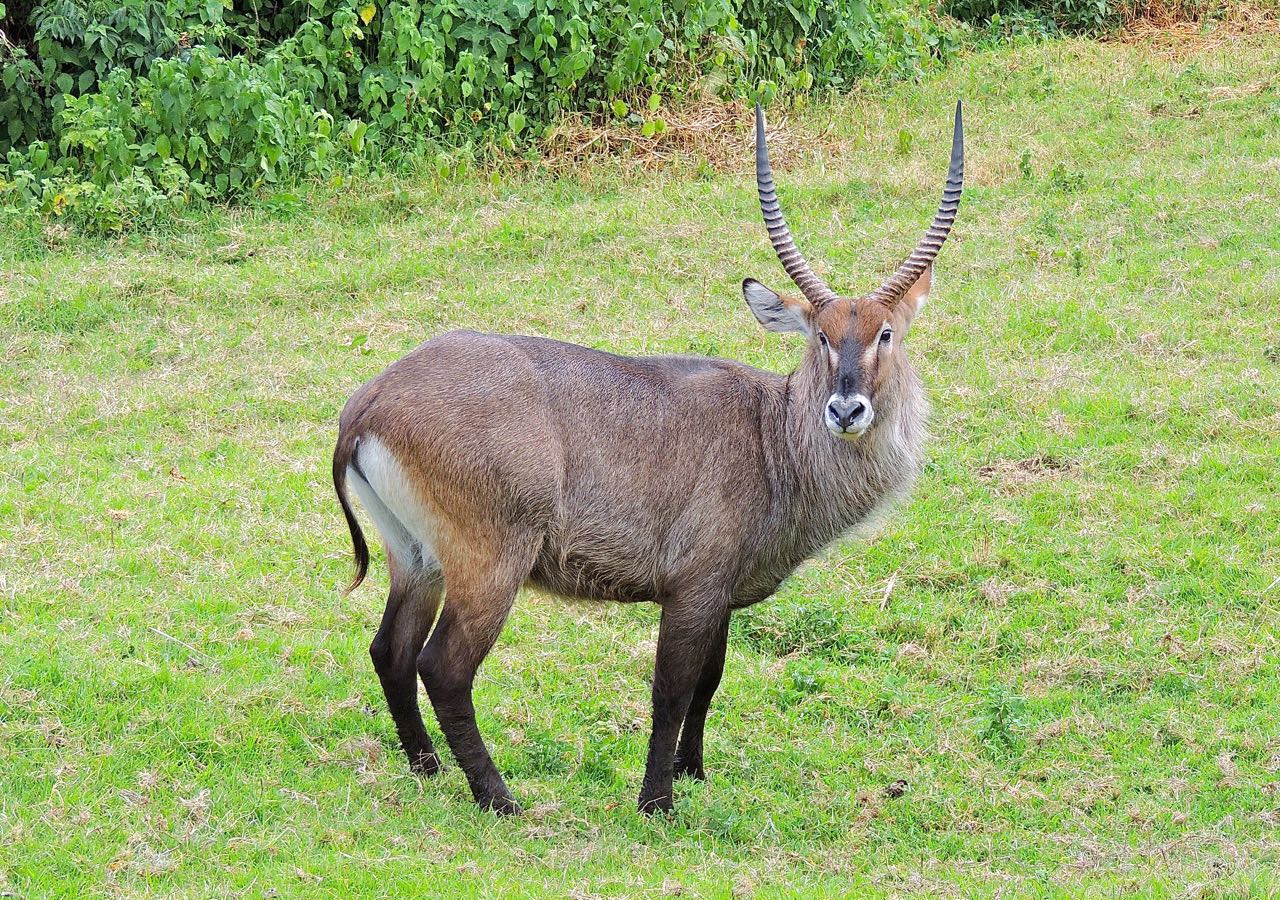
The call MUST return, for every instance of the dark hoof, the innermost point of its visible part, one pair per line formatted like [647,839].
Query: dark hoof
[502,804]
[692,769]
[650,806]
[425,764]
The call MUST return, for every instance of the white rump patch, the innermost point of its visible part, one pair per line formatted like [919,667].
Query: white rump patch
[388,497]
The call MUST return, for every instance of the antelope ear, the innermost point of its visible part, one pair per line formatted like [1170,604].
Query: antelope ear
[775,312]
[914,299]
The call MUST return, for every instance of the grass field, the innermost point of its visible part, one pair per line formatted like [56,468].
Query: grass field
[1065,645]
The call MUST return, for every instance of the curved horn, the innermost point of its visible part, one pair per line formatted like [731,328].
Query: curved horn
[922,257]
[779,234]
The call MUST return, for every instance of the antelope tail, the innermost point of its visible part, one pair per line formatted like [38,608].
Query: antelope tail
[342,457]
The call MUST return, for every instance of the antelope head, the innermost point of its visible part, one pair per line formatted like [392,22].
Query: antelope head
[855,343]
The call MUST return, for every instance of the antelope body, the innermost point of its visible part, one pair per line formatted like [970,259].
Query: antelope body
[488,462]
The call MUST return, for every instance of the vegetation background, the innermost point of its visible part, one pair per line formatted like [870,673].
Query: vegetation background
[1051,672]
[115,113]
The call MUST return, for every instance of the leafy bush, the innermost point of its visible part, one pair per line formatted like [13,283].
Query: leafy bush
[1088,16]
[214,98]
[65,47]
[831,44]
[226,121]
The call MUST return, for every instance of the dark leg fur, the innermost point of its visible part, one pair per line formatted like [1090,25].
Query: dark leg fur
[470,624]
[688,762]
[685,635]
[411,608]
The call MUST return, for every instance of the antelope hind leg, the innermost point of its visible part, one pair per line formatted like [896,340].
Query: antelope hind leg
[480,593]
[411,608]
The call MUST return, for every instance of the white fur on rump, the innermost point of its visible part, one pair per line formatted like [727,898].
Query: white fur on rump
[387,496]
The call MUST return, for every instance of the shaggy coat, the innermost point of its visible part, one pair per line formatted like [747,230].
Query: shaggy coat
[489,462]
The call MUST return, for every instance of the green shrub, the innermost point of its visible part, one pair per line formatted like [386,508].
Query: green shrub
[1050,16]
[193,127]
[834,43]
[61,48]
[227,122]
[215,98]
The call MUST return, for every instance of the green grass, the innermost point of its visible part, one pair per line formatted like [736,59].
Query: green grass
[1066,643]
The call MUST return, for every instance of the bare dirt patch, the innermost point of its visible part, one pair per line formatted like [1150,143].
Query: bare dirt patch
[1012,473]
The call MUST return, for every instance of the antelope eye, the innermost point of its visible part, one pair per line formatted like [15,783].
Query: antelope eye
[886,335]
[822,338]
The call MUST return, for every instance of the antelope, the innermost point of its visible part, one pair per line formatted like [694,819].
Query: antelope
[490,462]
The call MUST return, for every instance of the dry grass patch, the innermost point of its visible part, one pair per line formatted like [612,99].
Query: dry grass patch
[1183,29]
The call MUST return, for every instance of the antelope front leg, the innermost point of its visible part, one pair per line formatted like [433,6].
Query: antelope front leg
[689,750]
[686,635]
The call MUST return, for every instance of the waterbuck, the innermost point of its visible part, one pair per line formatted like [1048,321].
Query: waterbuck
[488,462]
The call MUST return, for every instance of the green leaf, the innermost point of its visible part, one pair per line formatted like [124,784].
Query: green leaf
[163,148]
[655,100]
[367,12]
[620,109]
[516,122]
[197,147]
[649,129]
[355,135]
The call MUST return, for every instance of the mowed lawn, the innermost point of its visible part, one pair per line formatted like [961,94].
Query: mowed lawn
[1052,671]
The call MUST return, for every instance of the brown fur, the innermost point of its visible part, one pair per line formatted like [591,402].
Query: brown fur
[489,462]
[699,484]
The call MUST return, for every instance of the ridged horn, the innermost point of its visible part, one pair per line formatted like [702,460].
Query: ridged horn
[927,250]
[796,265]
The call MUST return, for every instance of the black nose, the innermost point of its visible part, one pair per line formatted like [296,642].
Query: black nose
[845,413]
